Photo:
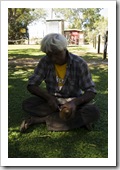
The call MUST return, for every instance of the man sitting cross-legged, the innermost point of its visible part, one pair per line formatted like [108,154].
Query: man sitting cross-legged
[66,102]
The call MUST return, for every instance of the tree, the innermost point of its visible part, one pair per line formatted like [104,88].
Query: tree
[100,28]
[20,18]
[90,17]
[70,15]
[80,18]
[87,19]
[101,25]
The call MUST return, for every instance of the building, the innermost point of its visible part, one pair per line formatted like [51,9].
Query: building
[74,36]
[39,30]
[55,26]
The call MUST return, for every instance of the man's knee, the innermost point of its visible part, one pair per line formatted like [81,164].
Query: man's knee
[25,105]
[31,102]
[91,108]
[90,113]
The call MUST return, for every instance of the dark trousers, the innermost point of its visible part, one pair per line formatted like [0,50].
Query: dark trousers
[38,107]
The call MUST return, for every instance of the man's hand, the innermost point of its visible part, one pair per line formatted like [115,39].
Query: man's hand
[36,90]
[53,103]
[67,110]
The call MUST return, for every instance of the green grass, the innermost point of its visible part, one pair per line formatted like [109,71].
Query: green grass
[38,142]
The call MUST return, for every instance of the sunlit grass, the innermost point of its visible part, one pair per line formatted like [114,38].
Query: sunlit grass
[38,142]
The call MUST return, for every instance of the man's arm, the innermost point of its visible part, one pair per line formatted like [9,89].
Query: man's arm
[85,98]
[37,91]
[40,92]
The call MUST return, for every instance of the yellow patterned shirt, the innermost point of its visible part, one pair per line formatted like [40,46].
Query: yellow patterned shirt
[60,74]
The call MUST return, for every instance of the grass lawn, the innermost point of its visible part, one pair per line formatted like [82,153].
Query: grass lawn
[38,142]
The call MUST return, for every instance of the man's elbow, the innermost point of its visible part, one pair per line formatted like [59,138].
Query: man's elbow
[30,88]
[91,94]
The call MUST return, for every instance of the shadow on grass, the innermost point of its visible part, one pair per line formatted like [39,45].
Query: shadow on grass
[23,56]
[39,143]
[72,144]
[93,57]
[23,51]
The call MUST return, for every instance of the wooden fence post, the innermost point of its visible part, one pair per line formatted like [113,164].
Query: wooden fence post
[105,46]
[95,42]
[98,44]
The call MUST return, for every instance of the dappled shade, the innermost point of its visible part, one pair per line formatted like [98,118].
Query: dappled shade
[40,143]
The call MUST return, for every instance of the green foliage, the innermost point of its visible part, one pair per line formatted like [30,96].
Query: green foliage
[37,142]
[80,18]
[90,16]
[20,18]
[101,26]
[87,19]
[71,15]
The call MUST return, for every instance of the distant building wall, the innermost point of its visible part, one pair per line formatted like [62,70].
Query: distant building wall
[55,26]
[74,36]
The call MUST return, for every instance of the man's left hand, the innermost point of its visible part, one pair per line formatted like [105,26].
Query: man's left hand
[67,110]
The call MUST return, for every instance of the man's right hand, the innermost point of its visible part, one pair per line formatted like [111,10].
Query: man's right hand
[53,103]
[36,90]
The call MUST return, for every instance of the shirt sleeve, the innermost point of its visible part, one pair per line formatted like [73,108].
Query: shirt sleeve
[39,74]
[85,80]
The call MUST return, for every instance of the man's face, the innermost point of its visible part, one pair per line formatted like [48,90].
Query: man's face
[58,57]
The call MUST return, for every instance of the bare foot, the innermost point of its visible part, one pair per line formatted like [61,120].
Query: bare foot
[30,121]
